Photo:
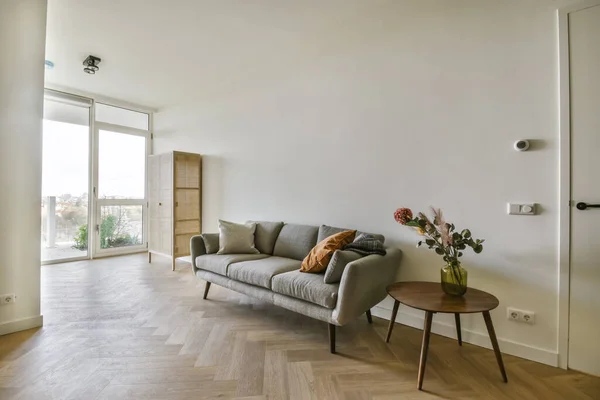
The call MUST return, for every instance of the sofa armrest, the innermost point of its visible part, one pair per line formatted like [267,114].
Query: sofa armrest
[363,284]
[196,249]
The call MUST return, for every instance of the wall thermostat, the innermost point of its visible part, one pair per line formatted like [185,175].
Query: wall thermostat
[522,145]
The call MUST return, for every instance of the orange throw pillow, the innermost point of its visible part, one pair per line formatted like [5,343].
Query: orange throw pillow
[317,260]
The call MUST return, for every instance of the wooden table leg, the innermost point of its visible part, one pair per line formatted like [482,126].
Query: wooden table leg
[458,333]
[490,327]
[392,321]
[424,348]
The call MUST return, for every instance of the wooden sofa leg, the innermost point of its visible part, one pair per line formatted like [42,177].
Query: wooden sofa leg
[369,317]
[206,289]
[332,338]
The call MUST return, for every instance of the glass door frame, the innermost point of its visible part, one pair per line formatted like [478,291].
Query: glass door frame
[96,250]
[67,98]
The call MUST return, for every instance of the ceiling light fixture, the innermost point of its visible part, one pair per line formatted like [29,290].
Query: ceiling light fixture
[91,64]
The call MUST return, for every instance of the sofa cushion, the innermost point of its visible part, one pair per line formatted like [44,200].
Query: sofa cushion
[218,263]
[325,231]
[260,272]
[309,287]
[236,238]
[295,241]
[317,260]
[211,242]
[265,235]
[337,265]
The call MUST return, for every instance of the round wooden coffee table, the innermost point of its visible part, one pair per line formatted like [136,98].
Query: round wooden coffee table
[429,297]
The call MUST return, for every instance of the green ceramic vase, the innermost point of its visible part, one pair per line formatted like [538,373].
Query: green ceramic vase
[454,280]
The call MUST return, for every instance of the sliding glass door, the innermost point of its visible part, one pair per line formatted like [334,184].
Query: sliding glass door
[122,143]
[121,192]
[94,175]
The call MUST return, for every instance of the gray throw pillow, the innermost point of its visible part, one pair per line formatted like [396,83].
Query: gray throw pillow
[337,265]
[266,235]
[211,242]
[236,238]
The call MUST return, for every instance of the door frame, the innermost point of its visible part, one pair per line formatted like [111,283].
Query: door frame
[564,200]
[97,251]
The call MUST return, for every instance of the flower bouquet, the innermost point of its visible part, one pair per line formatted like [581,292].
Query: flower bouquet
[442,237]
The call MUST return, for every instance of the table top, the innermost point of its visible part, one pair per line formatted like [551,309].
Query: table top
[429,296]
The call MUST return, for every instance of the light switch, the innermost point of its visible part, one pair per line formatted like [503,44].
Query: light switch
[521,209]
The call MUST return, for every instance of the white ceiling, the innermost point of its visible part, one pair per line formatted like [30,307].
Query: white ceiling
[158,53]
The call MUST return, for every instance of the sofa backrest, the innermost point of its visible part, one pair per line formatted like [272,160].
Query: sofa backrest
[265,235]
[296,241]
[325,231]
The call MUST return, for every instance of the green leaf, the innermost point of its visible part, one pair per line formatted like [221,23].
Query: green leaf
[460,254]
[413,223]
[422,223]
[478,249]
[419,243]
[430,242]
[439,251]
[456,236]
[466,233]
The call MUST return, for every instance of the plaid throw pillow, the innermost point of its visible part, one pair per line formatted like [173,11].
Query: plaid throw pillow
[366,244]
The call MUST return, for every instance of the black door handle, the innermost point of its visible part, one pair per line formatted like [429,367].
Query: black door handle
[582,206]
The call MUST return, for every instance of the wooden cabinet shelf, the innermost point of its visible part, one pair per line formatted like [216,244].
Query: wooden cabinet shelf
[174,203]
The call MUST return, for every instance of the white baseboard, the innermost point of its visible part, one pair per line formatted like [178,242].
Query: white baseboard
[543,356]
[21,324]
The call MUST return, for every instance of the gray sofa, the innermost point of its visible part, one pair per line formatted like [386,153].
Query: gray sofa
[274,276]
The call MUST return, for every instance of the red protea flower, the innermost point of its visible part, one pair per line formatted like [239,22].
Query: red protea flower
[403,215]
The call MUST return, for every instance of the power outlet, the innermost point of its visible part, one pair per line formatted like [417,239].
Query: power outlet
[513,314]
[8,298]
[528,317]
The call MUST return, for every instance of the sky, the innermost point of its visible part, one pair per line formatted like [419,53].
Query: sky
[121,162]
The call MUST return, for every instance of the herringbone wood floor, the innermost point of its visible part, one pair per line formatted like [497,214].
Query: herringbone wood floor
[120,328]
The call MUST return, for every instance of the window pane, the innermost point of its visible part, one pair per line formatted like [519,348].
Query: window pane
[67,113]
[64,181]
[121,116]
[122,166]
[121,226]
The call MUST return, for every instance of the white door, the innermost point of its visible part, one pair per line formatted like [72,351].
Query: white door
[584,323]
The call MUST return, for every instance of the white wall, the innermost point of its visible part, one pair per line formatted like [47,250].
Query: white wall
[411,104]
[22,43]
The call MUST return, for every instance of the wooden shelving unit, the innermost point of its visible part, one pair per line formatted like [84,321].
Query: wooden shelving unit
[175,203]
